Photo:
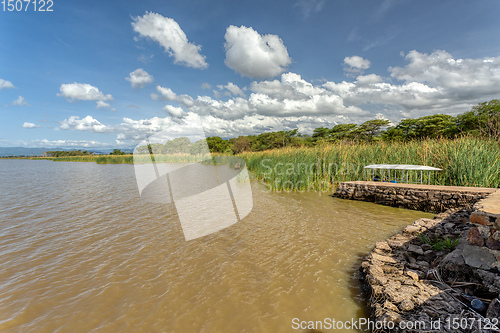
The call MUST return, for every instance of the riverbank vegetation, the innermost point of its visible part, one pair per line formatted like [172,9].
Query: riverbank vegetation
[466,147]
[466,161]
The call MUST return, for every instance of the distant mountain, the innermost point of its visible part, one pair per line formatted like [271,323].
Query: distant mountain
[22,151]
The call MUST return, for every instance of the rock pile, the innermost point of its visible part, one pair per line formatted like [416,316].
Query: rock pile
[418,285]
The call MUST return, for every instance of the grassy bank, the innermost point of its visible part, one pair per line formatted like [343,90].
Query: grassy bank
[465,162]
[99,159]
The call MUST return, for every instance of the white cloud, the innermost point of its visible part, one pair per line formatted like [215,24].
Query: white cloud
[174,111]
[205,85]
[232,89]
[429,83]
[355,65]
[139,78]
[67,143]
[168,33]
[101,104]
[20,101]
[83,92]
[85,124]
[255,55]
[4,84]
[457,78]
[30,125]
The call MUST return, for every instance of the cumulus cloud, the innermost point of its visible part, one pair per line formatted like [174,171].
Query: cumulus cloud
[101,105]
[30,125]
[427,84]
[85,124]
[168,33]
[254,55]
[139,78]
[205,85]
[355,65]
[231,89]
[174,111]
[67,143]
[460,78]
[4,84]
[20,101]
[84,92]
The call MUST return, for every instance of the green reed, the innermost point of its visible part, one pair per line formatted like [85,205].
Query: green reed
[465,161]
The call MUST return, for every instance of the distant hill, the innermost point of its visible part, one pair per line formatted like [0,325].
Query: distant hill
[22,151]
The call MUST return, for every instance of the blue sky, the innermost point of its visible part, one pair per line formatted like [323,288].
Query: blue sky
[94,74]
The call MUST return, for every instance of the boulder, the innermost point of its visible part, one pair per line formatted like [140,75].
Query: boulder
[415,249]
[493,311]
[474,237]
[479,218]
[406,305]
[480,257]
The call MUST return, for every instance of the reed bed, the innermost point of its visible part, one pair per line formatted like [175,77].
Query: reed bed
[465,161]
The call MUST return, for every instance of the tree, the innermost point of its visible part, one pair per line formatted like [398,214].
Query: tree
[217,144]
[199,147]
[117,152]
[342,131]
[320,133]
[371,128]
[240,144]
[436,125]
[488,115]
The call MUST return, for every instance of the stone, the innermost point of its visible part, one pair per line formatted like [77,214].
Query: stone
[493,242]
[474,237]
[406,305]
[382,258]
[449,226]
[497,223]
[454,261]
[388,305]
[383,246]
[423,264]
[376,275]
[415,249]
[412,229]
[392,292]
[479,257]
[413,275]
[493,311]
[479,218]
[391,317]
[377,291]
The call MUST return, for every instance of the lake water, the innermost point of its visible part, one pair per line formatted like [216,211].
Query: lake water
[80,251]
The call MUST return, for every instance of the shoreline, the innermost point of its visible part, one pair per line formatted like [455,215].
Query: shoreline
[425,277]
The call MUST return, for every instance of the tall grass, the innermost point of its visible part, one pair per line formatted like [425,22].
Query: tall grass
[86,158]
[465,161]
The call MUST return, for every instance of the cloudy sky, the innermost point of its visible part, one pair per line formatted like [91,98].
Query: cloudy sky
[100,74]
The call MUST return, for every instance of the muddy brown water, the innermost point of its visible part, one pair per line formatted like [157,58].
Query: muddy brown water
[81,252]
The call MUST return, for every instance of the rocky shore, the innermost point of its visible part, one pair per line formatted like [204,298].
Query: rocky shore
[439,275]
